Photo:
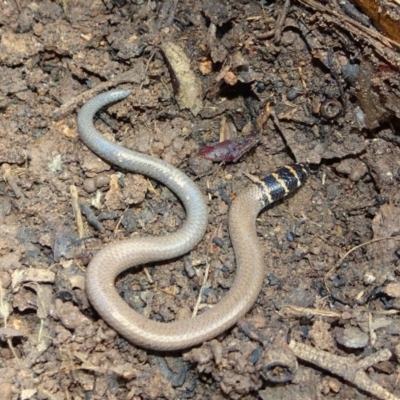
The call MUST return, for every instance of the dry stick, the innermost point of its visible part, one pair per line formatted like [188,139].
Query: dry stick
[281,19]
[350,370]
[172,12]
[18,5]
[40,333]
[197,305]
[293,312]
[120,220]
[144,74]
[206,272]
[77,211]
[148,276]
[68,107]
[343,18]
[350,251]
[374,38]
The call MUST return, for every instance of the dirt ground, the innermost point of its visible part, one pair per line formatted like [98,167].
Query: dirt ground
[303,85]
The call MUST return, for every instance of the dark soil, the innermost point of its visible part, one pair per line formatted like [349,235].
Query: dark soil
[310,91]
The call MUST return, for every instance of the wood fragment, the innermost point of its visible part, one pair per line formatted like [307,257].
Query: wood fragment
[370,102]
[280,22]
[291,312]
[383,45]
[203,285]
[353,12]
[77,211]
[384,15]
[69,107]
[148,276]
[20,276]
[10,333]
[187,87]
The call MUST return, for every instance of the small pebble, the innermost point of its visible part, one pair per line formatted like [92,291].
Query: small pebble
[272,280]
[293,93]
[260,87]
[199,165]
[350,72]
[89,185]
[352,337]
[69,315]
[102,180]
[358,172]
[5,279]
[305,331]
[369,278]
[218,242]
[381,200]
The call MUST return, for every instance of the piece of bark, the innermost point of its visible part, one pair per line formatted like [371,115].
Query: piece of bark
[187,87]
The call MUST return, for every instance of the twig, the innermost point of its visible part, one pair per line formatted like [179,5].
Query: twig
[40,333]
[365,31]
[197,305]
[295,312]
[120,220]
[172,13]
[280,21]
[291,312]
[144,75]
[18,5]
[374,38]
[77,211]
[350,370]
[148,276]
[68,107]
